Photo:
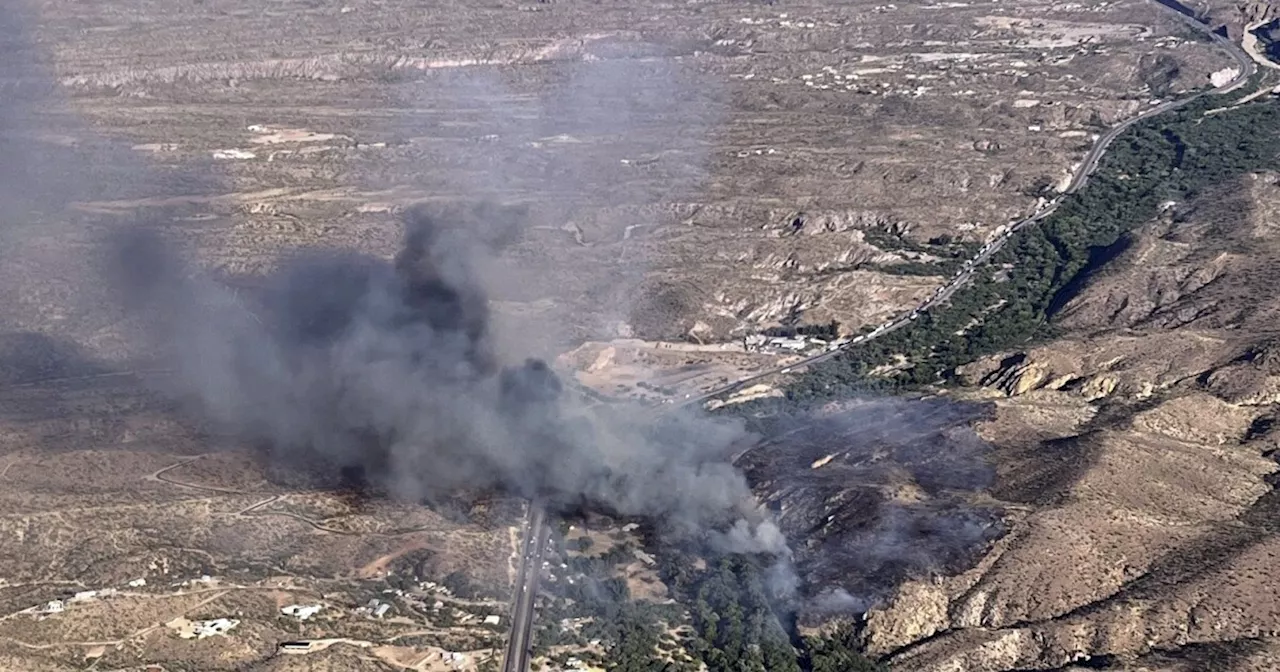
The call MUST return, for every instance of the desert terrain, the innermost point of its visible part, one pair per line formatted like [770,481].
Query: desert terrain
[1152,475]
[735,120]
[122,529]
[695,173]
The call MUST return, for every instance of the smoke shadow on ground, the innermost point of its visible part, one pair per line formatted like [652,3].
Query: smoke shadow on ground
[27,358]
[876,492]
[49,387]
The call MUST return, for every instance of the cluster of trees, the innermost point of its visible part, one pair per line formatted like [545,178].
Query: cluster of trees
[631,632]
[829,331]
[917,268]
[838,651]
[949,252]
[943,246]
[462,586]
[1169,157]
[734,624]
[637,631]
[737,628]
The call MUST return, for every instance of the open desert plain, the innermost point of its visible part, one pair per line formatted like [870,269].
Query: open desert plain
[727,335]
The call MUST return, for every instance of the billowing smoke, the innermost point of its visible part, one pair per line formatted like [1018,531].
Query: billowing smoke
[359,370]
[348,364]
[838,601]
[389,374]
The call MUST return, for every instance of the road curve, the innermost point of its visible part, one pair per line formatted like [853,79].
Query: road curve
[1081,177]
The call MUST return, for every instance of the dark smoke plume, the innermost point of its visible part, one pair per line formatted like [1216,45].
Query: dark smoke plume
[349,364]
[355,368]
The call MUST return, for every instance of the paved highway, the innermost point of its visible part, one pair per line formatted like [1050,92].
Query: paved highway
[517,655]
[520,641]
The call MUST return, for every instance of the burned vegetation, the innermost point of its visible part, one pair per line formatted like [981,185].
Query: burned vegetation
[881,491]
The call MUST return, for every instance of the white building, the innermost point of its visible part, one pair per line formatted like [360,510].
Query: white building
[217,626]
[225,154]
[381,610]
[492,619]
[54,607]
[302,612]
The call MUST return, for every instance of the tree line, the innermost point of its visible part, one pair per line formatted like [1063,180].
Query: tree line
[1014,297]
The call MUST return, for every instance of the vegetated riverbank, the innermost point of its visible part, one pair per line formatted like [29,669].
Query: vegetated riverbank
[1013,298]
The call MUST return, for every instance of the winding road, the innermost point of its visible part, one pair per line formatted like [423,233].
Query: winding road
[1087,166]
[519,644]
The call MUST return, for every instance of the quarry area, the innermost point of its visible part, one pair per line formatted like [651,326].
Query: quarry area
[716,200]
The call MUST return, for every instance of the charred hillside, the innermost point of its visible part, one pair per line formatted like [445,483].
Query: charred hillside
[875,492]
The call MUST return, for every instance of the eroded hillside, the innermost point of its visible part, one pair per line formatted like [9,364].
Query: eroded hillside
[1140,446]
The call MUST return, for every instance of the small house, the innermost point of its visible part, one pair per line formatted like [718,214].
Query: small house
[300,611]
